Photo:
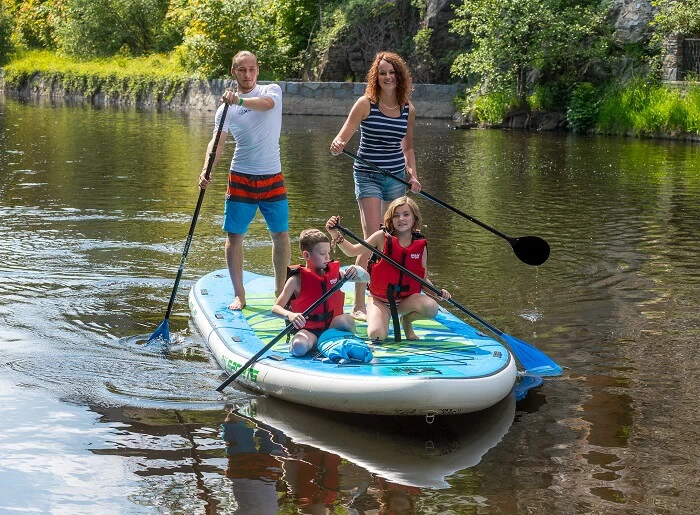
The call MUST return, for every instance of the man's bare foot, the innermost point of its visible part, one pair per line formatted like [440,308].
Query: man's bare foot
[408,329]
[237,304]
[358,315]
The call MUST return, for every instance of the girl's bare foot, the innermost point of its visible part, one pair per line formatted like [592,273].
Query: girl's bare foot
[358,315]
[408,329]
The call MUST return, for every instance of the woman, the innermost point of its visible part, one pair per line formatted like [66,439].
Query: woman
[386,118]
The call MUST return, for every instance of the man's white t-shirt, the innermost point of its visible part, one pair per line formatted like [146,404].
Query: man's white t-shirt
[257,133]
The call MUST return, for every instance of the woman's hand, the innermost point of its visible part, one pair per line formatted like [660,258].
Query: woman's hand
[413,181]
[337,146]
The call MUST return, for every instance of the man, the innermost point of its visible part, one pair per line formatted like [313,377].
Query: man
[255,180]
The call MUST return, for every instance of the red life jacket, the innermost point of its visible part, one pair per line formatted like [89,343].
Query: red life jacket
[384,275]
[312,287]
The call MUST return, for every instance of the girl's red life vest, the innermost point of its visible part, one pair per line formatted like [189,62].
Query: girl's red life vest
[385,276]
[312,287]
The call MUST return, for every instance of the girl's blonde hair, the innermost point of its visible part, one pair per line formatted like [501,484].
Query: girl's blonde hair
[389,215]
[404,83]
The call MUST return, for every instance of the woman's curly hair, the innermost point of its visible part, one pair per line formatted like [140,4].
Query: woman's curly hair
[404,83]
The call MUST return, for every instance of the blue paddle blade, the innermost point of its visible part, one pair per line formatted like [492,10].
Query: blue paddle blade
[526,384]
[534,361]
[163,331]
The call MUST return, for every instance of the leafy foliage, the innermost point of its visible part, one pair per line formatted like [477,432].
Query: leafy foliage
[108,27]
[645,107]
[511,40]
[366,27]
[677,17]
[583,108]
[6,27]
[133,78]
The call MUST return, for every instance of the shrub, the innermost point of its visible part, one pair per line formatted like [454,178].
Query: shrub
[6,27]
[582,113]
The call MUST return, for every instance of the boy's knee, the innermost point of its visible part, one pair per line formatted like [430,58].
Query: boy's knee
[298,348]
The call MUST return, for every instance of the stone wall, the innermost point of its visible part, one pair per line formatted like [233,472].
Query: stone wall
[316,98]
[672,61]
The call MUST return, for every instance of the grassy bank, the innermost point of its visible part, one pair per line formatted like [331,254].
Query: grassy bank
[647,109]
[116,77]
[641,108]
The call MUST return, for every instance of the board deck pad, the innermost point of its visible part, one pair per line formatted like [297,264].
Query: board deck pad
[447,348]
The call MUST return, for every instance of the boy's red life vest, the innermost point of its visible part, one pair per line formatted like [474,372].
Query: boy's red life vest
[312,287]
[385,277]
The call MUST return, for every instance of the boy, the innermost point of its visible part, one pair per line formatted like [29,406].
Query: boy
[306,284]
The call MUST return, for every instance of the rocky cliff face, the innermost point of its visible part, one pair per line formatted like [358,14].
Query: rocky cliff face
[351,55]
[632,19]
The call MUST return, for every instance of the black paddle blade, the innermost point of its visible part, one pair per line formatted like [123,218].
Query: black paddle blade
[532,250]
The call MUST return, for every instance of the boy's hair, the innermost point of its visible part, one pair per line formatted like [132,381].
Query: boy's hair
[417,222]
[310,237]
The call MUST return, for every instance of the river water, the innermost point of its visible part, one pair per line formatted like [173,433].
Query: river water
[95,205]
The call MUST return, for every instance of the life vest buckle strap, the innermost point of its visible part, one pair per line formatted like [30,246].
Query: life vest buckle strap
[394,312]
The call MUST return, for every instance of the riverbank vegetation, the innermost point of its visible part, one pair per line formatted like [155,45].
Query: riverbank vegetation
[530,56]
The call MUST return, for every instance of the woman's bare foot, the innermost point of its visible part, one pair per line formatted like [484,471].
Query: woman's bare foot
[408,329]
[237,305]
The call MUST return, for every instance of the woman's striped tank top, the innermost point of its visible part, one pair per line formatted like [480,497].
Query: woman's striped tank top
[380,140]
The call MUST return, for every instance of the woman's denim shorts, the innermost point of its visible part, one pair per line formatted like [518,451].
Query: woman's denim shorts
[378,185]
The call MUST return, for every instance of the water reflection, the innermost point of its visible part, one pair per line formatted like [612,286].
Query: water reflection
[407,451]
[95,205]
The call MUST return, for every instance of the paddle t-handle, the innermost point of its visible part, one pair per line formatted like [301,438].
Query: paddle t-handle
[533,360]
[277,338]
[531,250]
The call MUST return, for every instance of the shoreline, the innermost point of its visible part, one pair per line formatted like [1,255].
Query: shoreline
[300,98]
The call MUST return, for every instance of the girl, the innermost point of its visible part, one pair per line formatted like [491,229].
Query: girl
[385,117]
[401,240]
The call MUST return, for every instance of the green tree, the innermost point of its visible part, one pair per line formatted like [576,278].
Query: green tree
[105,27]
[517,41]
[677,17]
[6,27]
[218,29]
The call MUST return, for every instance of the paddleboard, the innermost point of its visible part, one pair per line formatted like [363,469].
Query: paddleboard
[451,369]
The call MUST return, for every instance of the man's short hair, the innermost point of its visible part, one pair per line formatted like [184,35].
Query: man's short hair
[310,237]
[241,55]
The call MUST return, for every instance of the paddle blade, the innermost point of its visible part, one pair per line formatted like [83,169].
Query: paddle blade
[526,384]
[531,249]
[163,331]
[533,360]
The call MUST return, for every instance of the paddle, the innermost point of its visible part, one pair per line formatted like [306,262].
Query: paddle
[533,360]
[531,250]
[163,330]
[277,338]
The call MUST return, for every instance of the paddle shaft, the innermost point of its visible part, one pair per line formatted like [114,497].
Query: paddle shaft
[430,197]
[277,338]
[188,241]
[415,277]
